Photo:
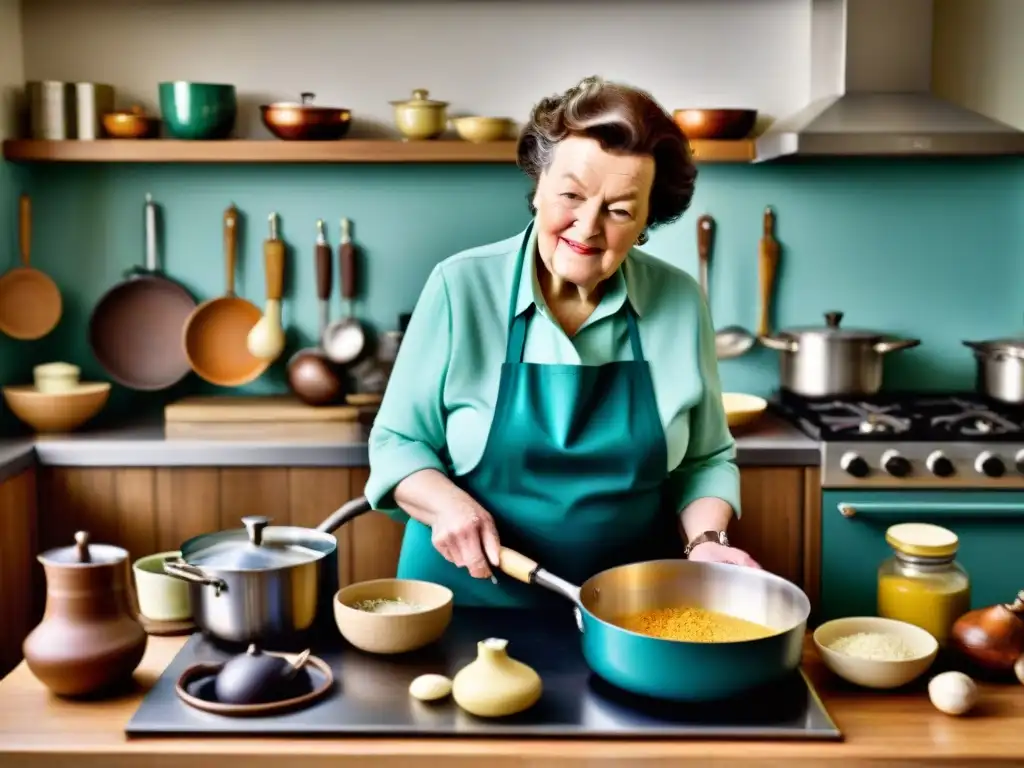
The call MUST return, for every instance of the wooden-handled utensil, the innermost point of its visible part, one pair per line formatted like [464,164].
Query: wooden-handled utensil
[30,302]
[345,339]
[768,264]
[266,339]
[734,340]
[216,334]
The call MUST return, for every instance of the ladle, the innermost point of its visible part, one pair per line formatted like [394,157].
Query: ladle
[733,340]
[266,339]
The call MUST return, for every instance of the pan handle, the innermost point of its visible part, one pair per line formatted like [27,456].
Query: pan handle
[150,228]
[179,569]
[523,569]
[350,510]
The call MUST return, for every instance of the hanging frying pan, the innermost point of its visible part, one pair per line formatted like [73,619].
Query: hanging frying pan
[30,303]
[135,329]
[216,334]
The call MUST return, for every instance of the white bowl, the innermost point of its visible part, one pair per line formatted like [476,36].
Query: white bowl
[876,673]
[742,409]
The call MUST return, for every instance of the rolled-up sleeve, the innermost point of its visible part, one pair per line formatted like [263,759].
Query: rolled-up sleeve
[709,467]
[408,434]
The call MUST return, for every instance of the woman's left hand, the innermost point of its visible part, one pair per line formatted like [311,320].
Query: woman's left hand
[712,552]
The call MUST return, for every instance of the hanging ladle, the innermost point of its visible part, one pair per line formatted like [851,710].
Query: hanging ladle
[732,341]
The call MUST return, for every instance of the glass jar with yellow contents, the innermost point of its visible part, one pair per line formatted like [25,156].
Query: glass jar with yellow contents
[922,583]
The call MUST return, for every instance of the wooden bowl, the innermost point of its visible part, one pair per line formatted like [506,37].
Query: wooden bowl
[742,410]
[57,411]
[133,124]
[393,632]
[721,124]
[876,673]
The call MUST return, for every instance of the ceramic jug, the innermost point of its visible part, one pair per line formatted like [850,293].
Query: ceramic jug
[89,640]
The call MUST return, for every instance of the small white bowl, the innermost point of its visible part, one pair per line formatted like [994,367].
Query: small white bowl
[876,673]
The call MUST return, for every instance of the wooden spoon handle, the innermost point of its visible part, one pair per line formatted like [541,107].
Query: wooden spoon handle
[25,228]
[705,242]
[768,264]
[230,246]
[323,264]
[347,262]
[273,263]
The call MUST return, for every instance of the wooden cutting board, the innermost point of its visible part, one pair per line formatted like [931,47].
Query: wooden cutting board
[254,408]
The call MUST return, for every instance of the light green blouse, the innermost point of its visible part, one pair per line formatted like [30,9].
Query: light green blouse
[440,399]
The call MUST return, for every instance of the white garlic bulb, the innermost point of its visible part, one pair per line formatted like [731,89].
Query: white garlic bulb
[430,687]
[953,693]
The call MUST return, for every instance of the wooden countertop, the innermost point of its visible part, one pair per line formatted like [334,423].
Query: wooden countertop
[38,730]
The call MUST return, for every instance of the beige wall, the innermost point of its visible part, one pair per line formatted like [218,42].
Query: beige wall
[978,56]
[490,57]
[11,72]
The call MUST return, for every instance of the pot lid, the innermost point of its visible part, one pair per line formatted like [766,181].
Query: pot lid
[993,345]
[254,548]
[420,98]
[831,330]
[83,553]
[306,104]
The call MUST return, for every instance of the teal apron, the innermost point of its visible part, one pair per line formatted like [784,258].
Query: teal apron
[572,472]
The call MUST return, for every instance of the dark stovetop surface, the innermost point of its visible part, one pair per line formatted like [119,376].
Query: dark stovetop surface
[371,695]
[904,416]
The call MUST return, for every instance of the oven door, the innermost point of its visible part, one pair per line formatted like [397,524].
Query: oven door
[989,524]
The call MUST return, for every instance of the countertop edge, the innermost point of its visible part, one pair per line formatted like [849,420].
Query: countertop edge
[772,442]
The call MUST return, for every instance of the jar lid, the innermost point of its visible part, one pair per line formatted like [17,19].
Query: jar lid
[83,553]
[420,98]
[922,540]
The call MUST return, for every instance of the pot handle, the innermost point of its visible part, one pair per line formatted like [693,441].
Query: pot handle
[779,344]
[895,345]
[179,569]
[521,568]
[350,510]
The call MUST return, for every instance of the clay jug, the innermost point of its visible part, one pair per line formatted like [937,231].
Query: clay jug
[89,639]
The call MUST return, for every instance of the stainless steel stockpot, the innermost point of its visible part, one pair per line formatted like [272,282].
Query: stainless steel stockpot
[1000,368]
[263,583]
[829,361]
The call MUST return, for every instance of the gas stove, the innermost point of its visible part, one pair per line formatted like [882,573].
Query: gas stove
[913,440]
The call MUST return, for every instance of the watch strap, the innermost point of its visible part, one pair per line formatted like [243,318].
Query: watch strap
[718,537]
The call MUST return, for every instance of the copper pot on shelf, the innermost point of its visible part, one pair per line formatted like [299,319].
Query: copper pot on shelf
[89,640]
[305,121]
[716,124]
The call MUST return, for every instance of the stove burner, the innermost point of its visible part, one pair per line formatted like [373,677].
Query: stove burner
[949,417]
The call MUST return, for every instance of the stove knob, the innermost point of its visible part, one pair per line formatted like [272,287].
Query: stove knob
[854,465]
[895,465]
[940,465]
[989,465]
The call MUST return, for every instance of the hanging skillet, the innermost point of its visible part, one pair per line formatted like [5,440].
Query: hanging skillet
[135,329]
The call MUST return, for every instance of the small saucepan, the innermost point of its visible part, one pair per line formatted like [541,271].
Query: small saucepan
[673,669]
[264,584]
[304,121]
[1000,368]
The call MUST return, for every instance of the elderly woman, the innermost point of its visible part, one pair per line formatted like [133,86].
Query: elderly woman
[557,392]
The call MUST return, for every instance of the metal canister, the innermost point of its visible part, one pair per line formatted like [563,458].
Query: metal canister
[51,109]
[92,102]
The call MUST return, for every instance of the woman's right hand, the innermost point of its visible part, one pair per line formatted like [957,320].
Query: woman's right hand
[466,536]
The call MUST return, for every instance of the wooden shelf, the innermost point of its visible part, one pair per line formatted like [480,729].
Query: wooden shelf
[274,151]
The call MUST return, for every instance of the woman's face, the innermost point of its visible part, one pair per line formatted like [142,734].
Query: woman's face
[591,208]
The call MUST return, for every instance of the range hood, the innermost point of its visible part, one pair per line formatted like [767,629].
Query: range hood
[870,91]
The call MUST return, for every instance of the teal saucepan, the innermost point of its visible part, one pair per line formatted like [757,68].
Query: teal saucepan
[672,669]
[198,111]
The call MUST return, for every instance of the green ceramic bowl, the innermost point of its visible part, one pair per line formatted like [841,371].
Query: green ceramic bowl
[198,110]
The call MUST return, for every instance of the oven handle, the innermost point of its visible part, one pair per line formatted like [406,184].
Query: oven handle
[951,509]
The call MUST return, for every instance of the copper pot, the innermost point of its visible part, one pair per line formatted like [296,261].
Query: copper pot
[721,124]
[89,640]
[304,121]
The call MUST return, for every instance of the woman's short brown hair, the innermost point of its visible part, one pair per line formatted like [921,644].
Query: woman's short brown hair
[620,118]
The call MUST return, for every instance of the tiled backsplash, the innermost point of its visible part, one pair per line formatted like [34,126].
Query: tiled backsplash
[929,249]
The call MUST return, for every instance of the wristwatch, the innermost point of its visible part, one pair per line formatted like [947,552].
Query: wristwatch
[716,536]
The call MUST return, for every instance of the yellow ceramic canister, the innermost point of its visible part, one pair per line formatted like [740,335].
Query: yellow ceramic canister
[922,583]
[421,117]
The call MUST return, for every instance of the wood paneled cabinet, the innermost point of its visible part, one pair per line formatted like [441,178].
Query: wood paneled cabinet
[18,547]
[148,510]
